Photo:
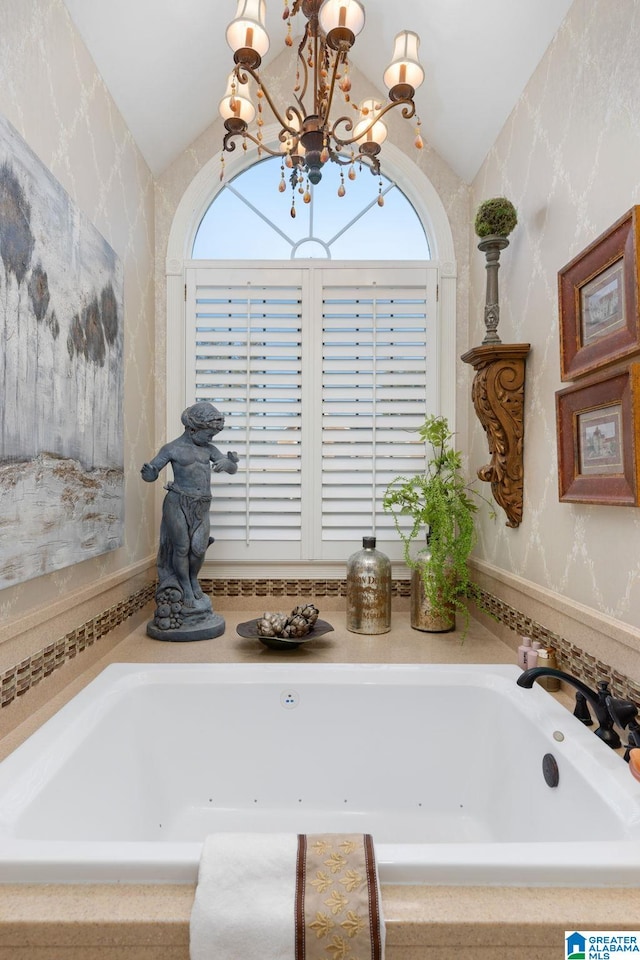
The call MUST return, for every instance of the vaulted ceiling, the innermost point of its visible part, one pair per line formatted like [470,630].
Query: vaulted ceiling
[166,63]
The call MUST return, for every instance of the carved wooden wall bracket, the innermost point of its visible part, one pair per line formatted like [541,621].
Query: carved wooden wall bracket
[498,398]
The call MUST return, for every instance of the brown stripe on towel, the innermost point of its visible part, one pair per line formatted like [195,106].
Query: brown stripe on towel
[374,905]
[301,863]
[337,910]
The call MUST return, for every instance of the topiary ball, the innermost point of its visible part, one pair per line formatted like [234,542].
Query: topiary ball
[496,217]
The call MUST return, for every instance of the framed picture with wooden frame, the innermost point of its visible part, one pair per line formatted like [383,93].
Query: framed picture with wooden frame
[598,298]
[598,425]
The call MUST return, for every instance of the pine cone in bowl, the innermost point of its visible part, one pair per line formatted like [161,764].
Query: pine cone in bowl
[271,624]
[296,626]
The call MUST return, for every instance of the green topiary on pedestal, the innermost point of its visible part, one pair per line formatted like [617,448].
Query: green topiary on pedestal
[495,218]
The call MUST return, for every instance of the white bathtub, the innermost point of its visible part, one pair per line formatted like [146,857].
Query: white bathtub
[442,764]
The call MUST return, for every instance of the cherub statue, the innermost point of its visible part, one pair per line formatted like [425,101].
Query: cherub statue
[184,531]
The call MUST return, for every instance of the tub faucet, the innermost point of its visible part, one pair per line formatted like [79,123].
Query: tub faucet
[598,701]
[625,714]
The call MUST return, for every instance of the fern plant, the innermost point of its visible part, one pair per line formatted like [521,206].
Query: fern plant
[442,506]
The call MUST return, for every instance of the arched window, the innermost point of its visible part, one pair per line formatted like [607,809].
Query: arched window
[250,218]
[319,339]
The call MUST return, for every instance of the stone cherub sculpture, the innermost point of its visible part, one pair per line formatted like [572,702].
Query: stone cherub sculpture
[183,612]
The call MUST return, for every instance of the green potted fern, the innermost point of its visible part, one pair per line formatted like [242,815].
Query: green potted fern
[442,507]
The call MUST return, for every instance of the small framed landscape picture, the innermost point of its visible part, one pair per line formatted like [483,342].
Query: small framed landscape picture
[598,297]
[598,425]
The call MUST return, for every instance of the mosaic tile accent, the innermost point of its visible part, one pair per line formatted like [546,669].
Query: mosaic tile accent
[570,657]
[15,681]
[289,588]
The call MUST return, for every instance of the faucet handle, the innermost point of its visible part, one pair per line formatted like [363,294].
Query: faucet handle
[581,710]
[622,712]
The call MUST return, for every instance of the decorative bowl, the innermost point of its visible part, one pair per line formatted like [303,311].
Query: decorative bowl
[249,631]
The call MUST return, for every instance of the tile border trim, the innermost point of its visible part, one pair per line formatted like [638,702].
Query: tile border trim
[289,588]
[571,658]
[16,680]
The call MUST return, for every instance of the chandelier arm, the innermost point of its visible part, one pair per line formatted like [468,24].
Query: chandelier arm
[371,162]
[305,71]
[292,111]
[316,70]
[408,111]
[348,125]
[227,141]
[346,161]
[283,123]
[340,56]
[229,145]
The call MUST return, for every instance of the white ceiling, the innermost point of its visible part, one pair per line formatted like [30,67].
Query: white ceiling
[166,63]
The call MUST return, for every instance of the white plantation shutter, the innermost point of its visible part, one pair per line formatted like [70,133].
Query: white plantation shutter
[246,359]
[323,375]
[376,388]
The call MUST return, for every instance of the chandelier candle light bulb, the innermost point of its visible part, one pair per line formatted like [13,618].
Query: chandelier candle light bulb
[247,35]
[404,74]
[341,21]
[312,136]
[370,136]
[236,103]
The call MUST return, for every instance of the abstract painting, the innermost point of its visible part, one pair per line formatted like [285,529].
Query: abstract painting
[61,375]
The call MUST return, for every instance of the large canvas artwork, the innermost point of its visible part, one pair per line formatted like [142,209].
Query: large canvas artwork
[61,375]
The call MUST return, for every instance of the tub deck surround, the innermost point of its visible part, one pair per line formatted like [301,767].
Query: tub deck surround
[150,922]
[422,923]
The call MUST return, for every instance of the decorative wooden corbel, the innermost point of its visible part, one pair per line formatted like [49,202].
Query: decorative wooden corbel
[498,398]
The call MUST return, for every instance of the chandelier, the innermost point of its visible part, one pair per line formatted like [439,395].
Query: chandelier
[311,134]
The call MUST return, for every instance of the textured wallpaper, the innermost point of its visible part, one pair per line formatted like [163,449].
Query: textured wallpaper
[52,94]
[569,159]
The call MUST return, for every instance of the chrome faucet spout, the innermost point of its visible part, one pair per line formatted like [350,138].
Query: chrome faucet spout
[597,700]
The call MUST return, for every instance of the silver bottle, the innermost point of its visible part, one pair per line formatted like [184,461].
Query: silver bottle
[368,590]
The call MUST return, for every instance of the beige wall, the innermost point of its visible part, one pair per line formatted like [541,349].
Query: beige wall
[569,159]
[52,94]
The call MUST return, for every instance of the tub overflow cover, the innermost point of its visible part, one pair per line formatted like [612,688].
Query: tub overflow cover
[550,770]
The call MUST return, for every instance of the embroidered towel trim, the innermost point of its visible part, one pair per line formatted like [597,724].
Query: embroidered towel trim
[337,904]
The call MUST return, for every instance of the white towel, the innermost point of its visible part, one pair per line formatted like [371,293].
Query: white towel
[244,906]
[287,897]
